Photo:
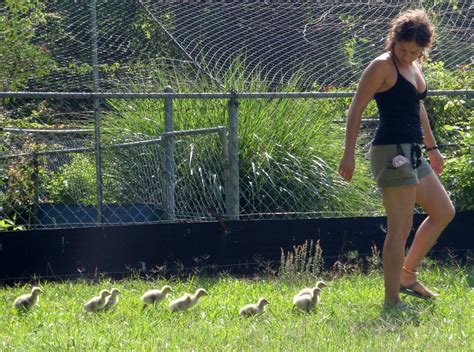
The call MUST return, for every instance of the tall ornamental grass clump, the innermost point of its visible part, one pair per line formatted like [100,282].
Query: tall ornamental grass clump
[289,148]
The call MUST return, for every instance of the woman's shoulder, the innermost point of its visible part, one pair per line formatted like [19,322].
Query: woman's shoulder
[382,61]
[381,65]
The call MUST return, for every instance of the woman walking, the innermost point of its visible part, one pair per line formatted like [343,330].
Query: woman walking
[395,80]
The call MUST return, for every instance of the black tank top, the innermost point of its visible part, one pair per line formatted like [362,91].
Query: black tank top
[399,109]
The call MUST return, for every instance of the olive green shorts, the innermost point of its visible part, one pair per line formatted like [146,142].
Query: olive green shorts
[386,175]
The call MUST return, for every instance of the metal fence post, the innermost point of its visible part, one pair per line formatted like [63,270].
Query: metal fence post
[223,136]
[232,196]
[168,160]
[98,150]
[36,185]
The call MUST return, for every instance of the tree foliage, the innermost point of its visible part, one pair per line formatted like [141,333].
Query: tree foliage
[19,53]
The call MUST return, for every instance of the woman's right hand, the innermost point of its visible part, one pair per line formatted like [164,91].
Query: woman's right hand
[346,167]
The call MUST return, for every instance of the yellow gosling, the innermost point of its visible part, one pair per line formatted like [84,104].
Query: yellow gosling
[309,290]
[253,309]
[181,303]
[307,301]
[112,300]
[200,292]
[96,303]
[155,296]
[27,301]
[187,300]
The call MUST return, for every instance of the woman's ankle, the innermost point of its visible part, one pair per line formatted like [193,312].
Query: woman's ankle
[408,276]
[392,299]
[409,271]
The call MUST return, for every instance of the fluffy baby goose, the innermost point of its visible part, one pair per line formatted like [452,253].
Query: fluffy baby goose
[28,300]
[96,303]
[112,300]
[252,309]
[155,296]
[307,301]
[187,301]
[181,303]
[309,290]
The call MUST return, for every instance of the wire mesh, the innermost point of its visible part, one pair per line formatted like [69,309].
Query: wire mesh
[50,182]
[39,167]
[287,145]
[287,167]
[143,44]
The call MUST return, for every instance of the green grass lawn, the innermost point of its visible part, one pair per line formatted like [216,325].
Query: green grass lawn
[349,318]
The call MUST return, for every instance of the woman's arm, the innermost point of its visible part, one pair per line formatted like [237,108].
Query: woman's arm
[371,81]
[436,159]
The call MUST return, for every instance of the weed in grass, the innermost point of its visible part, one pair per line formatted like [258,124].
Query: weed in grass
[345,267]
[353,262]
[374,262]
[304,261]
[264,267]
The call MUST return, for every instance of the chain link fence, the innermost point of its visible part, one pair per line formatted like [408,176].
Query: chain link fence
[50,178]
[261,165]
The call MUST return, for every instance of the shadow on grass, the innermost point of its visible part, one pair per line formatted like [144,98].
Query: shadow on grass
[410,315]
[393,319]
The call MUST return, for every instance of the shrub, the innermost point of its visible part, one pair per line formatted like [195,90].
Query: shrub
[452,121]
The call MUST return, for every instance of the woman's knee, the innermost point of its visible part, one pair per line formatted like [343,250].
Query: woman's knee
[444,216]
[450,213]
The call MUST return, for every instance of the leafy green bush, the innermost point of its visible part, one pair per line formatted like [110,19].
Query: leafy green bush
[10,225]
[458,174]
[21,178]
[452,121]
[74,182]
[18,25]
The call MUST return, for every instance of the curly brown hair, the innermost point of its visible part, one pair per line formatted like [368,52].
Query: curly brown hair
[411,25]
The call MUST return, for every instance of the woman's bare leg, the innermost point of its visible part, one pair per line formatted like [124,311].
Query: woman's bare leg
[432,197]
[399,203]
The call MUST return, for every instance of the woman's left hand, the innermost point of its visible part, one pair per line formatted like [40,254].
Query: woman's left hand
[436,161]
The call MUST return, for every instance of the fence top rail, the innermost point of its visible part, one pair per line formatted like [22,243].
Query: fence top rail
[225,95]
[45,130]
[158,140]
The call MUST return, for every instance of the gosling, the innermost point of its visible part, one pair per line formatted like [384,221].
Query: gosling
[112,300]
[187,301]
[307,301]
[309,290]
[27,301]
[96,303]
[253,309]
[155,296]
